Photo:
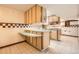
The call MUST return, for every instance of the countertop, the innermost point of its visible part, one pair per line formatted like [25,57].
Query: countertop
[29,34]
[38,29]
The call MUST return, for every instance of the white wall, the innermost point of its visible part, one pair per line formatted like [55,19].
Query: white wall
[66,11]
[78,10]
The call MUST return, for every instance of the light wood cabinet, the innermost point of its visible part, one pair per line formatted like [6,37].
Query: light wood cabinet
[39,42]
[26,18]
[34,40]
[53,20]
[31,40]
[38,14]
[34,15]
[27,39]
[55,34]
[29,16]
[46,40]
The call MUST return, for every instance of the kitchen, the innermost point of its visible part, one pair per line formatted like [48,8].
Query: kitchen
[31,28]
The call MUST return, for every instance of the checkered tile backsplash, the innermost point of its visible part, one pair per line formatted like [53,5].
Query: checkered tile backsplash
[13,25]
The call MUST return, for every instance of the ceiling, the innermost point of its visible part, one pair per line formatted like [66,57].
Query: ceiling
[21,7]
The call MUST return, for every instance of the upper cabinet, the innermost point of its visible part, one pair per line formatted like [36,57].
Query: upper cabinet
[34,15]
[38,14]
[29,17]
[52,20]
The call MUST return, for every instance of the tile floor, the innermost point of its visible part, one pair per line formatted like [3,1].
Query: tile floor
[66,45]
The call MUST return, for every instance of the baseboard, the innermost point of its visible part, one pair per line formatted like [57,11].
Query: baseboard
[11,44]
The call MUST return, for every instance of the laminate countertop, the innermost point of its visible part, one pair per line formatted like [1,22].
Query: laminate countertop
[37,29]
[25,33]
[29,34]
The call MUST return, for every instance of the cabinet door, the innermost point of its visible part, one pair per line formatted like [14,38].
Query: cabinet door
[54,34]
[53,20]
[29,18]
[39,42]
[31,40]
[27,39]
[26,17]
[38,14]
[46,41]
[34,40]
[33,15]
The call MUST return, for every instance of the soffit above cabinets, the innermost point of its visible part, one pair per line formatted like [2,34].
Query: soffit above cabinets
[21,7]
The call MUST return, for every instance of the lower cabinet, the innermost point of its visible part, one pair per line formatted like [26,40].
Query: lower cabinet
[34,40]
[39,42]
[28,39]
[55,34]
